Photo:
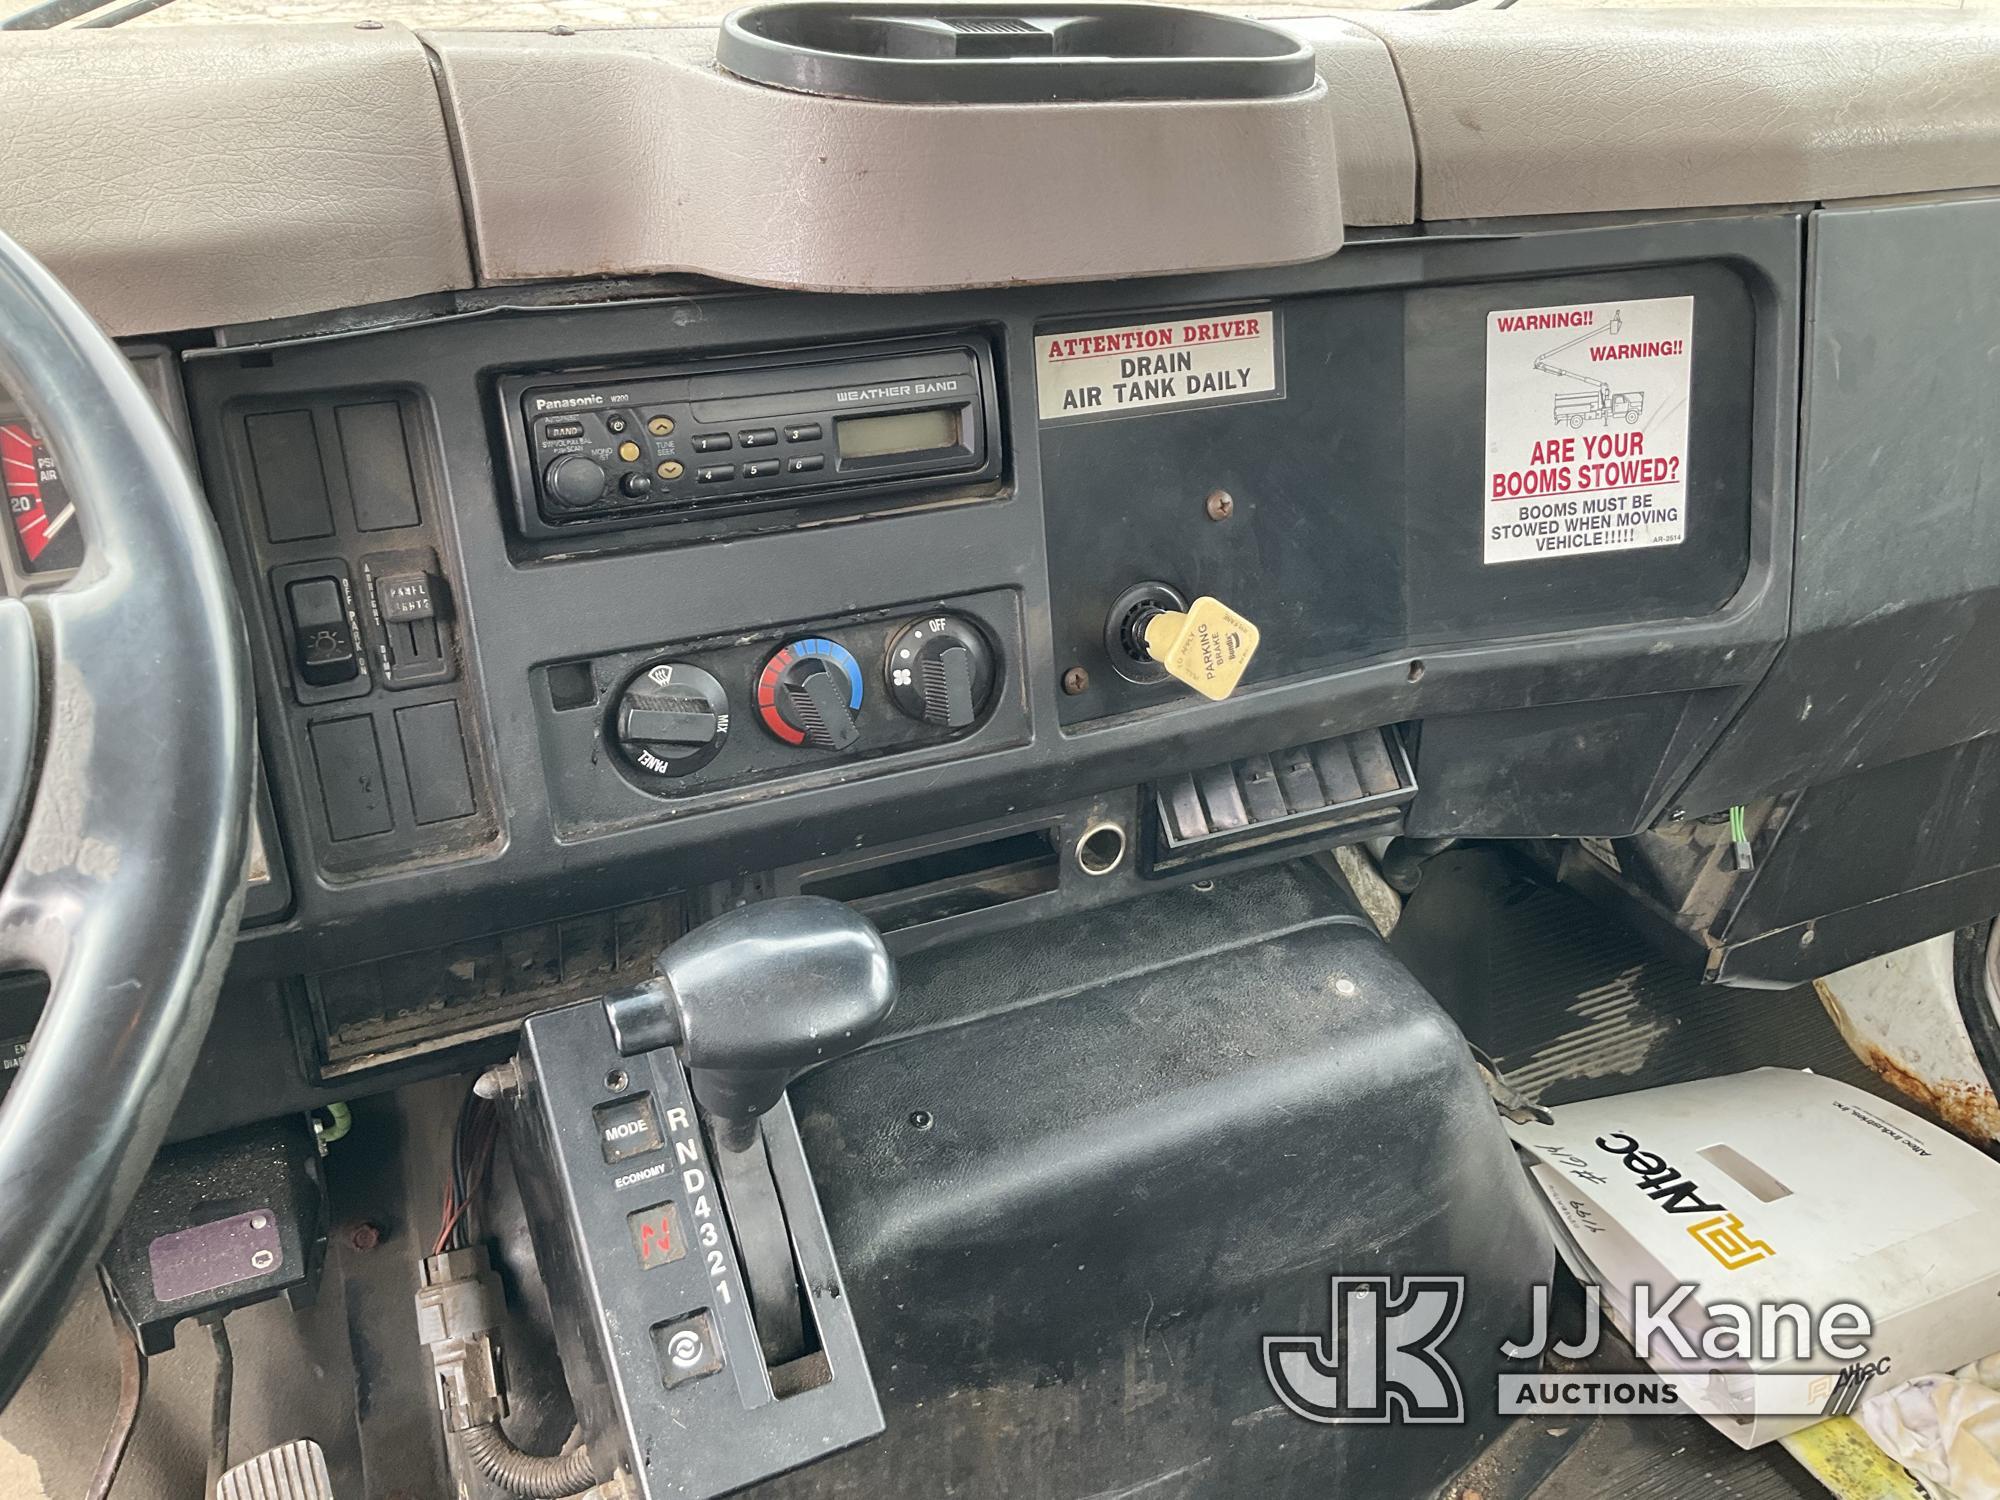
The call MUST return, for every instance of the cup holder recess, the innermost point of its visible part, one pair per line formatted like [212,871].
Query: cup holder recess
[1025,53]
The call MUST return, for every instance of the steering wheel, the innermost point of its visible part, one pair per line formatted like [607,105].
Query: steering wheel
[125,753]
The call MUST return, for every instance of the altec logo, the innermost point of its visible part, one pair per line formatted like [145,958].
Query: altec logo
[1725,1238]
[1719,1232]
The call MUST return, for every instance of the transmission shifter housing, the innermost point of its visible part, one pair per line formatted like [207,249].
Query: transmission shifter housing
[698,1309]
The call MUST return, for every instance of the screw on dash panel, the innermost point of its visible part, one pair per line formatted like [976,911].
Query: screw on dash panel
[1220,505]
[1075,681]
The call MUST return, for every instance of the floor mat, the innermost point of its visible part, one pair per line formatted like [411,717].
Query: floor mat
[1674,1459]
[1573,1004]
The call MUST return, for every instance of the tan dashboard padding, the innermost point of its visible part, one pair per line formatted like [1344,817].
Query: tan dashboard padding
[182,177]
[623,152]
[186,176]
[1562,111]
[1371,129]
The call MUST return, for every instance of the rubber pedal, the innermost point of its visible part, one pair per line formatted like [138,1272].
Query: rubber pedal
[291,1471]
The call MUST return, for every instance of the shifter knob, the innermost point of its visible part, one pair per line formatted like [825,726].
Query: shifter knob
[756,997]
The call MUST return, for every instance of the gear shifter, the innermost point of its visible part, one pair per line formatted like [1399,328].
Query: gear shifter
[756,997]
[697,1300]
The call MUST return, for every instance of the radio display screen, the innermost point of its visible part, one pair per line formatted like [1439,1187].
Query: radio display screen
[897,432]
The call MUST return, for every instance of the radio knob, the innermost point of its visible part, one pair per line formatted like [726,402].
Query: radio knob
[574,481]
[672,719]
[809,694]
[941,671]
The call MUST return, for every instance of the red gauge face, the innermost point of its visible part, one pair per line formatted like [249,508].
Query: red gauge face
[47,538]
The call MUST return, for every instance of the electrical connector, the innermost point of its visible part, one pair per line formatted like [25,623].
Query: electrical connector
[1740,842]
[459,1308]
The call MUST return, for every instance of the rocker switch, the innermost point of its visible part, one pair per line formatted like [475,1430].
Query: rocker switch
[322,638]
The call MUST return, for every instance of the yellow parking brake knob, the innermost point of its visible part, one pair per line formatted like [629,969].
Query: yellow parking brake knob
[1208,648]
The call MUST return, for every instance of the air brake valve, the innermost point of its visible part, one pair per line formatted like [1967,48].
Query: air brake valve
[1208,646]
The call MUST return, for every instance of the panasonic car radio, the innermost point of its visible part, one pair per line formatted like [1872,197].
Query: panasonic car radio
[669,441]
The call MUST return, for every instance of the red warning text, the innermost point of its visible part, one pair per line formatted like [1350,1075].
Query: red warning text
[1586,428]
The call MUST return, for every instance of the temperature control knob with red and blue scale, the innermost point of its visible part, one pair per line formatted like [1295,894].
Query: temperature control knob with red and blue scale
[809,693]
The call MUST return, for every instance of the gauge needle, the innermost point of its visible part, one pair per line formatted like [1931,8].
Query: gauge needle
[68,514]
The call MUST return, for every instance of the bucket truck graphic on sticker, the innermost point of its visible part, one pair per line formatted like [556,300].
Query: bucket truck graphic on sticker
[1586,428]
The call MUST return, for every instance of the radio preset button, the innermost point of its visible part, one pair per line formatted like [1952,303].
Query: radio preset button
[710,442]
[806,465]
[807,432]
[758,437]
[763,470]
[716,473]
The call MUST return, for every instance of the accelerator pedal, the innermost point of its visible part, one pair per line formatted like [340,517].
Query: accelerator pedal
[290,1471]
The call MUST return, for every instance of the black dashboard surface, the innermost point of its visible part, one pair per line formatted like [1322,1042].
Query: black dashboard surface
[1378,615]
